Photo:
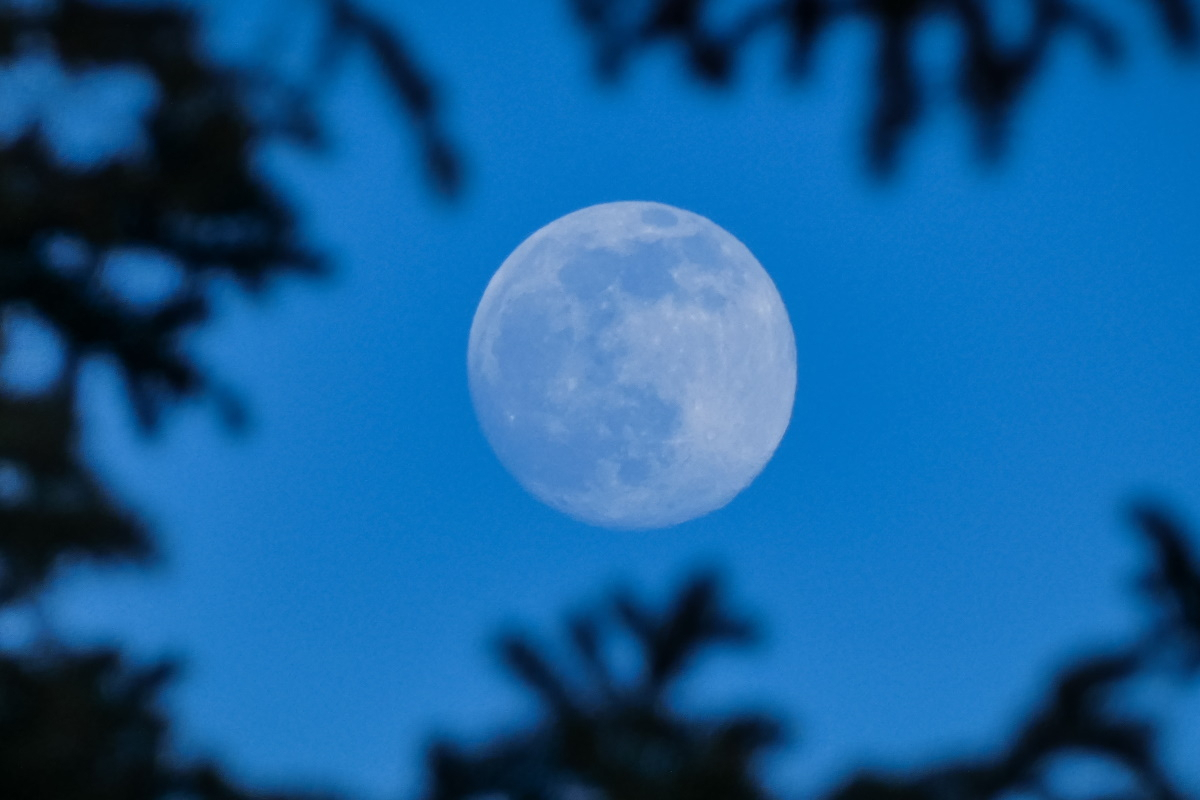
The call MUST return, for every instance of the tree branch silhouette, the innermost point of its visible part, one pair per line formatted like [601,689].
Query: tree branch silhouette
[604,737]
[89,724]
[192,196]
[597,737]
[992,73]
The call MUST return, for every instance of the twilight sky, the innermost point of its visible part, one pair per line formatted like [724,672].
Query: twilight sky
[991,361]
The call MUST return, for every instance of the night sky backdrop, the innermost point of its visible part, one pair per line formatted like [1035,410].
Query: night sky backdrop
[992,361]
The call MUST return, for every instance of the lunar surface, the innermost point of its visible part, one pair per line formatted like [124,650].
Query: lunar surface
[632,365]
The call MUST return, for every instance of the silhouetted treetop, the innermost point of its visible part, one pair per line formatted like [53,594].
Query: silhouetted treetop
[603,738]
[1085,710]
[993,72]
[605,735]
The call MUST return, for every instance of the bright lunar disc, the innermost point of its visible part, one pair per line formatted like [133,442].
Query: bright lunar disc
[632,365]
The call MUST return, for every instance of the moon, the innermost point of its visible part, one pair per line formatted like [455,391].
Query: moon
[632,365]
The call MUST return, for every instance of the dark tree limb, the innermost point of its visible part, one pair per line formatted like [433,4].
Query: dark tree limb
[992,74]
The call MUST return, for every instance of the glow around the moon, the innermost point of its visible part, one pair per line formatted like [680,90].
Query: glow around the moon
[632,365]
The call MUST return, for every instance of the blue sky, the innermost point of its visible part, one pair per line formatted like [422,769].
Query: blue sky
[990,361]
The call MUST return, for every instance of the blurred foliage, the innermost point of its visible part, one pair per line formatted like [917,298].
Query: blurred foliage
[599,739]
[53,511]
[995,68]
[88,725]
[604,738]
[189,198]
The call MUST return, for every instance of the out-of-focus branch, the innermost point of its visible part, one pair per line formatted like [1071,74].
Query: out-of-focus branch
[601,736]
[992,74]
[90,725]
[605,736]
[191,196]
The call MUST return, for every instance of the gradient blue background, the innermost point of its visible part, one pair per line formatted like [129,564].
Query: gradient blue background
[990,363]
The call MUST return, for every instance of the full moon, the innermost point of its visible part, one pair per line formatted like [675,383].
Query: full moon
[632,365]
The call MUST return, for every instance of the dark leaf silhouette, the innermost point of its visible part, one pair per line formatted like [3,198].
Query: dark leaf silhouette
[53,511]
[88,725]
[605,738]
[993,74]
[349,23]
[191,199]
[599,737]
[1173,581]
